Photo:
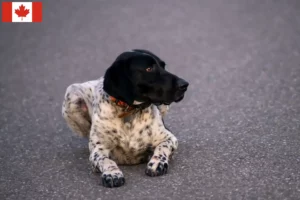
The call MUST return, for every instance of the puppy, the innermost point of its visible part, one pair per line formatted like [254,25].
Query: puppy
[122,114]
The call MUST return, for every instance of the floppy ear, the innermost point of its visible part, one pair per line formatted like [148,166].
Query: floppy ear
[161,62]
[116,80]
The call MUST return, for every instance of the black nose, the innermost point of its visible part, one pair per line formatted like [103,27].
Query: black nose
[182,85]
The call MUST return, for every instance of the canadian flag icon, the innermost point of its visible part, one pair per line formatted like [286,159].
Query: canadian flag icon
[21,11]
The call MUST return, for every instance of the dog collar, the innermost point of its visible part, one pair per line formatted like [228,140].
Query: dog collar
[128,109]
[119,102]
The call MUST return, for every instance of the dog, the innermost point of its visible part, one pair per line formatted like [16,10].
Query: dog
[122,115]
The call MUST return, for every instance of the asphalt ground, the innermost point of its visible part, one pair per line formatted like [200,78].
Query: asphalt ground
[238,126]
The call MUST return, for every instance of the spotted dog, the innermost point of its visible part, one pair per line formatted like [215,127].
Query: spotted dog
[122,114]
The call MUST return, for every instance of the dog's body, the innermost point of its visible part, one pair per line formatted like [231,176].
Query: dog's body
[131,139]
[116,135]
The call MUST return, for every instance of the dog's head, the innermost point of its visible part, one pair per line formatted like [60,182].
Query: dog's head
[139,75]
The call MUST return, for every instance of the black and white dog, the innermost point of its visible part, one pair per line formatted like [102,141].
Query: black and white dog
[122,114]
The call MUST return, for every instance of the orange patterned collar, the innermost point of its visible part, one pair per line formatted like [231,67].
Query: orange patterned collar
[128,109]
[119,102]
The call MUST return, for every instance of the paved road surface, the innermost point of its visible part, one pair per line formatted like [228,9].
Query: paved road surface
[238,127]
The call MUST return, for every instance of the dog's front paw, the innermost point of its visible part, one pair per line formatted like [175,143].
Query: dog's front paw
[113,179]
[157,168]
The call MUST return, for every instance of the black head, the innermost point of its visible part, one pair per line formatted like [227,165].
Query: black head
[139,75]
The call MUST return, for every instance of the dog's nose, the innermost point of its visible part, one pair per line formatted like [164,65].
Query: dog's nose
[182,85]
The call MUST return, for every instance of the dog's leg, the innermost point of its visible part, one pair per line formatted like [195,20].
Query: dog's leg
[158,164]
[99,158]
[75,110]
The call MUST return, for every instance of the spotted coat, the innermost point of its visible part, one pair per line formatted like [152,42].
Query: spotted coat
[135,139]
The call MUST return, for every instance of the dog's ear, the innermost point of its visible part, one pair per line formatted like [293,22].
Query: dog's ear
[161,62]
[116,80]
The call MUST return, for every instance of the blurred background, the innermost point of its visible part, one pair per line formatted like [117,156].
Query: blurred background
[238,126]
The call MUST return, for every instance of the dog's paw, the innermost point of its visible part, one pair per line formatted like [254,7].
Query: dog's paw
[113,179]
[95,169]
[157,169]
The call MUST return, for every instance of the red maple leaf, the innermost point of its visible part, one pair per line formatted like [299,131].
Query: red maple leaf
[22,12]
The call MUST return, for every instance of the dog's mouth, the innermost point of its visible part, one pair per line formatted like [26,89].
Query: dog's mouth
[161,103]
[179,98]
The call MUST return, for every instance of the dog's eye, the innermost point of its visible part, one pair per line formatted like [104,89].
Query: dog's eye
[149,69]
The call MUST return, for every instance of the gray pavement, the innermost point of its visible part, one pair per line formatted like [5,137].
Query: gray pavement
[238,127]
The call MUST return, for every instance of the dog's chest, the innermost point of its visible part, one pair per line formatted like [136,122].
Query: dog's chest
[136,131]
[131,138]
[134,141]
